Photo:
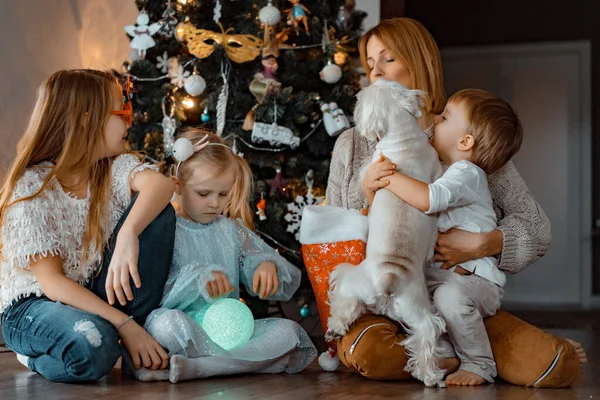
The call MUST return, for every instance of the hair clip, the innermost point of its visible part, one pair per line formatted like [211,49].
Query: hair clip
[184,148]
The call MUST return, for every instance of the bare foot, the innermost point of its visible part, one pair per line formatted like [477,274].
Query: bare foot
[579,350]
[449,364]
[464,378]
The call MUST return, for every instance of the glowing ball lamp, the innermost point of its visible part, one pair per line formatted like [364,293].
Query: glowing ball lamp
[229,323]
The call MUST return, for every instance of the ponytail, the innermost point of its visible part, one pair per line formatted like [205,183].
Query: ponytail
[239,201]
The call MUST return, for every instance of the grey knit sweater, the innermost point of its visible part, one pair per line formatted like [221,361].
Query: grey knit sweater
[524,225]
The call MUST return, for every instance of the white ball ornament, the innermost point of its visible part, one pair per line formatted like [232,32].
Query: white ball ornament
[331,73]
[194,84]
[269,14]
[182,149]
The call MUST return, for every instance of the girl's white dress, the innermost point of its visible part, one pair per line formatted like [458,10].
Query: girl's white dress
[277,345]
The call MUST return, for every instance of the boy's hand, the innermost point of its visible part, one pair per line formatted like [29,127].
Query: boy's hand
[373,178]
[265,278]
[220,286]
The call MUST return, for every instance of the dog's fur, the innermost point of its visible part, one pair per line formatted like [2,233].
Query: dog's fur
[391,281]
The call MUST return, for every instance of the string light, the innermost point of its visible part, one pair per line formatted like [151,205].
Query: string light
[188,103]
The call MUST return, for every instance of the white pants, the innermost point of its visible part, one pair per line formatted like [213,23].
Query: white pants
[463,301]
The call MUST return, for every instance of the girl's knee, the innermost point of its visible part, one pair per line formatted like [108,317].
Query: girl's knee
[93,349]
[161,322]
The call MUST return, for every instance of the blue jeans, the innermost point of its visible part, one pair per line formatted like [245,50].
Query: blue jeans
[65,344]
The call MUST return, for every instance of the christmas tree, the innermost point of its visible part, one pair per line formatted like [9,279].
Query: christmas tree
[264,75]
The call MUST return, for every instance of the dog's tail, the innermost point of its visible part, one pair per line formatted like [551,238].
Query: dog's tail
[388,282]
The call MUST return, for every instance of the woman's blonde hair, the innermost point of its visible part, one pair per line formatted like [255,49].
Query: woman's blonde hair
[67,128]
[411,44]
[222,157]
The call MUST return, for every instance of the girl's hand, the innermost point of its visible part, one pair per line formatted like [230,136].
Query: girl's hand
[265,278]
[220,286]
[373,178]
[144,350]
[123,265]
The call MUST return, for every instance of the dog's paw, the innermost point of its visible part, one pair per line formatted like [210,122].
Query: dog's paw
[331,336]
[336,329]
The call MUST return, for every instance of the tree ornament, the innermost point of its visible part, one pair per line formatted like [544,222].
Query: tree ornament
[334,119]
[205,117]
[169,125]
[142,34]
[162,62]
[294,215]
[331,73]
[261,207]
[177,73]
[278,184]
[217,12]
[223,97]
[298,13]
[275,135]
[269,15]
[202,42]
[342,19]
[305,311]
[229,323]
[169,21]
[194,84]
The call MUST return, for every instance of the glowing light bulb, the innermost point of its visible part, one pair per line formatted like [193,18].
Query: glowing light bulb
[188,103]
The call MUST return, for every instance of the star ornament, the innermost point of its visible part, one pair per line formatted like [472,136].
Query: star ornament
[278,184]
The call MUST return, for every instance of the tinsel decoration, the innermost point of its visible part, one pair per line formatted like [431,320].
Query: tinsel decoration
[222,103]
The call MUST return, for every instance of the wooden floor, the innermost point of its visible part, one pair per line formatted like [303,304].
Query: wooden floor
[17,383]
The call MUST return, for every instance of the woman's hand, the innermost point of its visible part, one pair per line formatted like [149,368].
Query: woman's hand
[144,350]
[265,278]
[123,265]
[220,286]
[381,168]
[456,246]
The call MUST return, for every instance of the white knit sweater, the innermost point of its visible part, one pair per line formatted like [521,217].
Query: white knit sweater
[524,225]
[54,223]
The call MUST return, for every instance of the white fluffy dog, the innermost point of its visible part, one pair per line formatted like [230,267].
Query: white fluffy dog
[391,281]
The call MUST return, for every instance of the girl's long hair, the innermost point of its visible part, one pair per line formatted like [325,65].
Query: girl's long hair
[66,128]
[222,157]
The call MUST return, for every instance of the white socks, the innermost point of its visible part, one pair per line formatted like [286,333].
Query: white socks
[23,359]
[148,375]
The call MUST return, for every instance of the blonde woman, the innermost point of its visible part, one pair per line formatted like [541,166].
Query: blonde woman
[402,50]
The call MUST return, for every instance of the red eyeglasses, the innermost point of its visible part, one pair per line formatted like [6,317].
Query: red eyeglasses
[127,111]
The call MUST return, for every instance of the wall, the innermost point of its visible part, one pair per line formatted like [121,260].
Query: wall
[59,34]
[373,9]
[476,22]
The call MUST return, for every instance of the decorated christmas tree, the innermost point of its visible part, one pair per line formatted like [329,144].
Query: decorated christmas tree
[275,78]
